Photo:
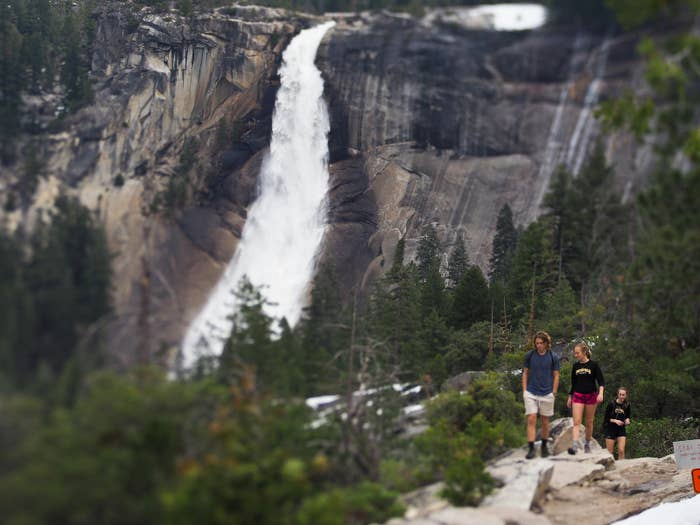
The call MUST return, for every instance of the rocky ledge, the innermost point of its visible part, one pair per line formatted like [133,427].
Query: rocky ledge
[586,488]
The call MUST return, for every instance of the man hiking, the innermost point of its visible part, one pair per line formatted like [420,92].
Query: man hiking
[540,383]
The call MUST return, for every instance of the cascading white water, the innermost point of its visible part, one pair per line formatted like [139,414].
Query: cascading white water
[555,139]
[580,139]
[286,223]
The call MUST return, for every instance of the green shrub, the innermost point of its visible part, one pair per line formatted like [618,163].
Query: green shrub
[466,481]
[487,397]
[365,503]
[655,437]
[405,475]
[467,429]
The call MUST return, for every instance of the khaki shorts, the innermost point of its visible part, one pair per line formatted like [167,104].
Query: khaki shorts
[542,405]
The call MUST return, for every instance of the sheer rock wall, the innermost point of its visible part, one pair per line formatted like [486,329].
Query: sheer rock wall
[430,123]
[448,124]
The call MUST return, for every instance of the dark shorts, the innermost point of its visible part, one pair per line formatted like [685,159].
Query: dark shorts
[613,431]
[585,399]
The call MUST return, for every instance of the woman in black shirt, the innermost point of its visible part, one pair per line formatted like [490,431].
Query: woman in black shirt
[617,417]
[587,386]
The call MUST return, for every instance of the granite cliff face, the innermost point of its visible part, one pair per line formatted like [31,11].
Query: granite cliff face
[162,82]
[447,124]
[430,123]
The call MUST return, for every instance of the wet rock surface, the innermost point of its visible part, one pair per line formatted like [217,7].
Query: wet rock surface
[455,122]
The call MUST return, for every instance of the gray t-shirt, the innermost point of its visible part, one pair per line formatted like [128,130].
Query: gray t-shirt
[539,379]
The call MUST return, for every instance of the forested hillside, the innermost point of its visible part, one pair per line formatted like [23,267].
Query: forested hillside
[87,441]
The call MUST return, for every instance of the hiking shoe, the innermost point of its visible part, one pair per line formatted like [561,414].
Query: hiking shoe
[571,451]
[530,454]
[545,452]
[587,448]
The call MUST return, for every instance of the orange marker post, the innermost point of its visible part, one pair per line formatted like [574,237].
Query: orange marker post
[696,479]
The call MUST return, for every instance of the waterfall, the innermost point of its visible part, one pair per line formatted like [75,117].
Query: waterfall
[554,138]
[578,145]
[286,223]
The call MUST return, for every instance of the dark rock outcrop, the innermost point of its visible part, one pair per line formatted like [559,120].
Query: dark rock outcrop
[452,122]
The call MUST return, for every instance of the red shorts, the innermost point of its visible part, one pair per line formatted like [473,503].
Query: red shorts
[585,399]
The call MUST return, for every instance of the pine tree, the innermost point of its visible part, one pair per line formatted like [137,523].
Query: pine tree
[434,336]
[323,331]
[11,81]
[17,330]
[428,252]
[459,263]
[432,292]
[558,207]
[395,317]
[250,342]
[69,279]
[432,284]
[87,253]
[74,73]
[504,243]
[534,265]
[397,266]
[471,302]
[560,311]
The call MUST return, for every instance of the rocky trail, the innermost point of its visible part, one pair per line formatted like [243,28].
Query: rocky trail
[591,489]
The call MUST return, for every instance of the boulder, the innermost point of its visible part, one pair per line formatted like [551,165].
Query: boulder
[524,482]
[461,381]
[561,435]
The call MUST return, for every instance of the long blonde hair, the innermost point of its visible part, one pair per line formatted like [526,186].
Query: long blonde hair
[584,348]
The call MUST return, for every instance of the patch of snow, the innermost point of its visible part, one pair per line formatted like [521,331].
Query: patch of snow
[414,390]
[684,512]
[413,409]
[512,17]
[498,17]
[320,401]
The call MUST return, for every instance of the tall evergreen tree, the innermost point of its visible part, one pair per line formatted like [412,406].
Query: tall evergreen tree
[11,81]
[471,302]
[74,73]
[428,252]
[560,310]
[250,342]
[69,279]
[557,206]
[323,330]
[432,284]
[397,266]
[534,267]
[17,329]
[432,292]
[590,196]
[458,263]
[395,316]
[504,243]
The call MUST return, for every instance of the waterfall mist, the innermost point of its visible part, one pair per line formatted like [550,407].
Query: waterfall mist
[286,223]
